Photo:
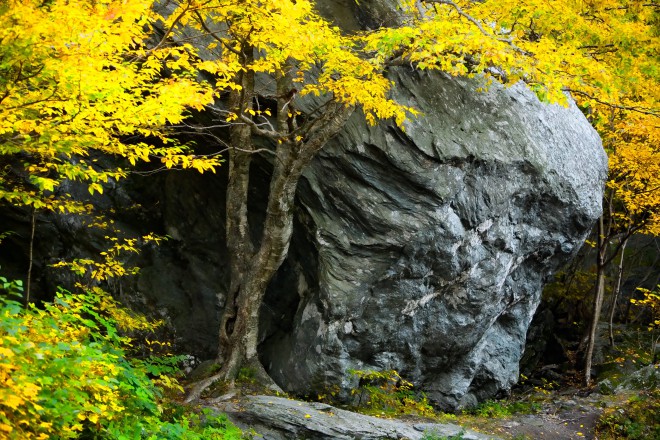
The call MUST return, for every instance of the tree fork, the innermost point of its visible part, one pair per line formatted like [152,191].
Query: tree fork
[241,345]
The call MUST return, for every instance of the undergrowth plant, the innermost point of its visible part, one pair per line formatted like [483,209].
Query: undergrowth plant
[65,373]
[386,393]
[651,301]
[503,408]
[637,419]
[434,436]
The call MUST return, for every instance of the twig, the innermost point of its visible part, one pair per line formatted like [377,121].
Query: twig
[30,257]
[462,13]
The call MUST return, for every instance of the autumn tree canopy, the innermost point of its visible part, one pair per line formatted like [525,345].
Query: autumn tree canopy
[277,71]
[77,79]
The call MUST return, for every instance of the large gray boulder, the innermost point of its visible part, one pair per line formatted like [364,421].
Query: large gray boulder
[423,251]
[426,250]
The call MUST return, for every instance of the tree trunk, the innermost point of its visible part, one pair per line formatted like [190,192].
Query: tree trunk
[238,236]
[617,289]
[292,158]
[252,264]
[598,301]
[28,286]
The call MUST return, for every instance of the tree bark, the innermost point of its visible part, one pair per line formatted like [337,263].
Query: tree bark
[598,301]
[238,236]
[28,286]
[253,264]
[617,289]
[292,158]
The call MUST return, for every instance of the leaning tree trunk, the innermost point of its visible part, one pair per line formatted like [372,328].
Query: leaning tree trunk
[240,323]
[617,289]
[598,301]
[238,237]
[276,236]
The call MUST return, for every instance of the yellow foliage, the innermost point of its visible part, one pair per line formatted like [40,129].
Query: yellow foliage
[652,301]
[31,347]
[111,266]
[634,142]
[604,52]
[64,369]
[291,40]
[76,79]
[64,95]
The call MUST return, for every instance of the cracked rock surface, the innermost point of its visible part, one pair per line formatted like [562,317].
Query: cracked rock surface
[425,250]
[277,418]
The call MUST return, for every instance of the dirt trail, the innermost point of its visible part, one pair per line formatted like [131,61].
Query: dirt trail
[566,416]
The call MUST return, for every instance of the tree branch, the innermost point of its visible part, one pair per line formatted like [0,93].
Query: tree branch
[462,13]
[479,26]
[641,110]
[274,135]
[213,34]
[171,28]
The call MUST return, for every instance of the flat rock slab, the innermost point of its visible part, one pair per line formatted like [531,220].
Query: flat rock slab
[277,418]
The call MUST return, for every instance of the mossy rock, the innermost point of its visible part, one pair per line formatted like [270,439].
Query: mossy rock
[646,378]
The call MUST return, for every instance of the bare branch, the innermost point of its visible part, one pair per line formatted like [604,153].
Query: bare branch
[214,34]
[257,130]
[642,110]
[168,31]
[462,13]
[479,26]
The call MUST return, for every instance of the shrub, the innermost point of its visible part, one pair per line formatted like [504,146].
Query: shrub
[65,373]
[429,435]
[638,418]
[386,393]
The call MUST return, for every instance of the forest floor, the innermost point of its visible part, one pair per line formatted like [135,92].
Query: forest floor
[543,410]
[567,415]
[558,415]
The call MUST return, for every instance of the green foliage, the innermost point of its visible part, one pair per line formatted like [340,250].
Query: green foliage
[504,408]
[386,393]
[573,286]
[11,287]
[635,347]
[246,374]
[193,426]
[429,435]
[638,418]
[5,234]
[65,373]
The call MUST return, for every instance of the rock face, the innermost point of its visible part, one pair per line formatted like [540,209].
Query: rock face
[423,251]
[276,418]
[427,250]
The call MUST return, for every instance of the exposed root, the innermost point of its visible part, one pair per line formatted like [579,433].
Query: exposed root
[198,388]
[225,397]
[228,374]
[263,378]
